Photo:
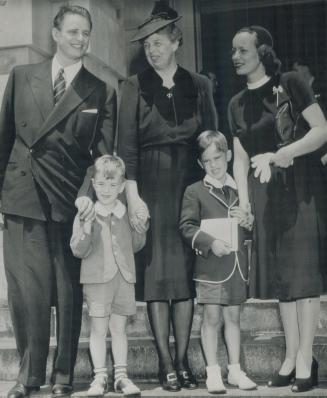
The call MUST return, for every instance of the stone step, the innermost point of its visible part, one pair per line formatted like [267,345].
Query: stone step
[261,356]
[256,316]
[152,390]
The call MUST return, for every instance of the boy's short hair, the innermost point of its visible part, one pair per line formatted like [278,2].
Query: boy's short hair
[208,137]
[109,166]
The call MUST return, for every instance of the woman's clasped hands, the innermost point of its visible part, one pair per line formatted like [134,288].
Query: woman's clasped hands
[283,157]
[262,163]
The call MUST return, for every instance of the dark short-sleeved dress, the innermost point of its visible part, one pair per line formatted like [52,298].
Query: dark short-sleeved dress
[157,140]
[289,256]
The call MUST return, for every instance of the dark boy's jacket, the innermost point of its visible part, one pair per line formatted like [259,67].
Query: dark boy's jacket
[47,146]
[203,200]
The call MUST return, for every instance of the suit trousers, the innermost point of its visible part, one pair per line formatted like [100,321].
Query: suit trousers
[41,271]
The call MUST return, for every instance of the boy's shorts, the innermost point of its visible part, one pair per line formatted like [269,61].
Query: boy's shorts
[214,293]
[114,297]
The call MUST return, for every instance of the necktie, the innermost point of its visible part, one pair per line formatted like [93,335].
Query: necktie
[59,86]
[225,192]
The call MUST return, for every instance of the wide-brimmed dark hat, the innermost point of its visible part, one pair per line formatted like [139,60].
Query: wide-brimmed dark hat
[161,16]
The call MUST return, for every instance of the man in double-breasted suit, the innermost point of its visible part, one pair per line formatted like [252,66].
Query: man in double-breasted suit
[56,118]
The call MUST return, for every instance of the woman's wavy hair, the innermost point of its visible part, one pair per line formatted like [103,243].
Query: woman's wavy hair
[264,44]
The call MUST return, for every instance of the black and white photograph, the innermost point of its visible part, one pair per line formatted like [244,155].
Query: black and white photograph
[163,198]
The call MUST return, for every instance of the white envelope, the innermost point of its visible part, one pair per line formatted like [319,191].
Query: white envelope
[90,110]
[225,229]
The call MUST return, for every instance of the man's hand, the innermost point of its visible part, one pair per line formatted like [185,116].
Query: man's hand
[220,248]
[85,208]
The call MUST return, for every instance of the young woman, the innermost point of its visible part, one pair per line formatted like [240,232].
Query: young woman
[163,110]
[283,181]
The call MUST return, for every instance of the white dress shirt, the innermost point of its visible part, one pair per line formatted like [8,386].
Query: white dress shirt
[70,71]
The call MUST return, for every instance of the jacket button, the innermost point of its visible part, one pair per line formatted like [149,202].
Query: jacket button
[23,173]
[23,123]
[31,150]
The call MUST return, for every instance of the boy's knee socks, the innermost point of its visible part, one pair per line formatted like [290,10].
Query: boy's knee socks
[100,370]
[120,371]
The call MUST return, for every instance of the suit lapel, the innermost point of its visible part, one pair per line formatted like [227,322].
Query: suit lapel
[217,193]
[81,87]
[41,85]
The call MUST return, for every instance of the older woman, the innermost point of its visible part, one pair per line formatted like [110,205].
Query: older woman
[284,181]
[163,110]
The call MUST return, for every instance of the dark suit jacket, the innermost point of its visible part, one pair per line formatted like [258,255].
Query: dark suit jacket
[48,148]
[203,201]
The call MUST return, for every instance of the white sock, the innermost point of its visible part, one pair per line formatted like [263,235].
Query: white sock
[234,367]
[213,370]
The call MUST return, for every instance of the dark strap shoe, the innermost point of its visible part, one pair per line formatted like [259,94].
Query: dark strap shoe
[282,380]
[61,390]
[170,382]
[21,391]
[187,379]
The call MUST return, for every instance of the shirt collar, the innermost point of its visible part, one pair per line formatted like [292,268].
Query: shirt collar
[217,184]
[119,210]
[70,71]
[259,83]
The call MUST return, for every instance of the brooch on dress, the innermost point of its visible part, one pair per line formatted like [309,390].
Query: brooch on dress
[277,90]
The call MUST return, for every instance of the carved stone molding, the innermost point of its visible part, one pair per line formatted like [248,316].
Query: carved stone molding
[211,6]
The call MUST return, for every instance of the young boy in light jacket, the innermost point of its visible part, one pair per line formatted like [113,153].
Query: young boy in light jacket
[106,246]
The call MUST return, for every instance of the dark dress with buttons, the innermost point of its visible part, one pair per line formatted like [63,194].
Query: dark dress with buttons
[158,128]
[289,259]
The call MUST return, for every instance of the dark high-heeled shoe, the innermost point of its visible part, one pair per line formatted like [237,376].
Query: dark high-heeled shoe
[187,379]
[302,385]
[282,380]
[169,381]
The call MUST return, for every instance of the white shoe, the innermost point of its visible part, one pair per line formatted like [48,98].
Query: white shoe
[214,381]
[126,386]
[240,380]
[98,386]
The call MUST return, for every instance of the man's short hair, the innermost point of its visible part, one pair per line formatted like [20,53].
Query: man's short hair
[71,10]
[109,166]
